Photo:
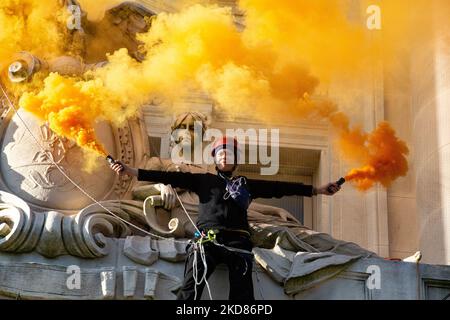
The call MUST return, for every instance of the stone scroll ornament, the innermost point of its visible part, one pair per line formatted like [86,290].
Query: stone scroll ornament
[52,233]
[87,234]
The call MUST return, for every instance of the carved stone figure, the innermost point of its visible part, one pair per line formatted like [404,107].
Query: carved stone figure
[172,222]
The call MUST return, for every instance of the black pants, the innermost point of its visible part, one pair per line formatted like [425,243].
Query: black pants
[239,266]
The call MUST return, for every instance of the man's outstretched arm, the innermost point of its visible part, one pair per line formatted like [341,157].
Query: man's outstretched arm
[185,180]
[277,189]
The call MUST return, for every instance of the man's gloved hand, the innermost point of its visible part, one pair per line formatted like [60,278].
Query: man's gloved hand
[168,196]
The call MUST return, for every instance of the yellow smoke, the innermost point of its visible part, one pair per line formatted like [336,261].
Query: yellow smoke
[269,68]
[31,25]
[316,33]
[96,8]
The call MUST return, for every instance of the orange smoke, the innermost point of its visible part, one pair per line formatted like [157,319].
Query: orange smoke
[385,158]
[69,108]
[380,154]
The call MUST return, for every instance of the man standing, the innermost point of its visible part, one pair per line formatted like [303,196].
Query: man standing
[224,230]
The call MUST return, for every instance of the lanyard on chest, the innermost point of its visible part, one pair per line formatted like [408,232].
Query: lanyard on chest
[236,190]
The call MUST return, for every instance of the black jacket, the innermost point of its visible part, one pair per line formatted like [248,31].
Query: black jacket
[214,211]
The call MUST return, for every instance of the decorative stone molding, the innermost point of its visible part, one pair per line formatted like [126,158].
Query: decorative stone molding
[139,250]
[146,251]
[42,281]
[125,154]
[53,234]
[4,108]
[157,285]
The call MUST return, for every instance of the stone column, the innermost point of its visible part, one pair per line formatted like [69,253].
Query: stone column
[430,88]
